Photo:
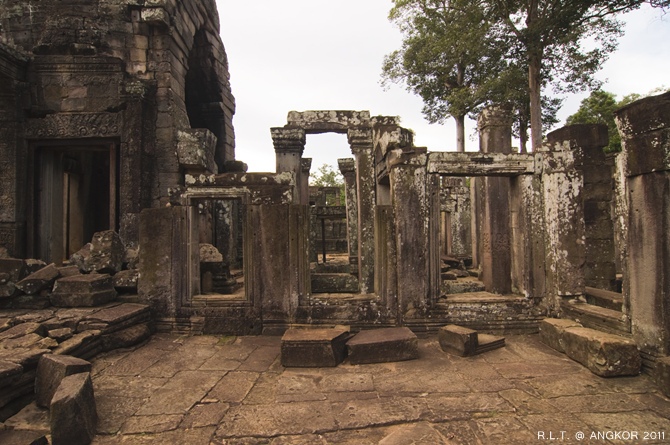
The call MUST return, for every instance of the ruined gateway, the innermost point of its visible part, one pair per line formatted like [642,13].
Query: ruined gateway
[116,115]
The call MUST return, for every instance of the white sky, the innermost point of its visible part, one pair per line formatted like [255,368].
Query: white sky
[324,55]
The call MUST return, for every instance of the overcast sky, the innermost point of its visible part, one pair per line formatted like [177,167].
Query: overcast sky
[324,55]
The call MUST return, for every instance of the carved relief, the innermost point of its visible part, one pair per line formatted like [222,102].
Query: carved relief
[76,125]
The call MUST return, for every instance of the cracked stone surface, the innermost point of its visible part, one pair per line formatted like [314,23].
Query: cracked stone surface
[199,390]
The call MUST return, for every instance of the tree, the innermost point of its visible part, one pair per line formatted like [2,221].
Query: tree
[599,108]
[550,35]
[446,57]
[327,176]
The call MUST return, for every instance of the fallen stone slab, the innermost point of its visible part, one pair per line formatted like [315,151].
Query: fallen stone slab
[73,414]
[83,291]
[60,334]
[51,370]
[11,271]
[312,348]
[126,337]
[9,373]
[20,330]
[107,252]
[465,342]
[80,344]
[383,345]
[40,280]
[126,281]
[552,329]
[82,259]
[116,318]
[33,265]
[606,355]
[27,358]
[662,372]
[458,340]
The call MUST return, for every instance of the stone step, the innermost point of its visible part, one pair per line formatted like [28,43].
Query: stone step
[334,283]
[462,285]
[604,298]
[383,345]
[604,354]
[596,317]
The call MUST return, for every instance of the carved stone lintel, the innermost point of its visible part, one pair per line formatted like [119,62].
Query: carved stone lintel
[74,125]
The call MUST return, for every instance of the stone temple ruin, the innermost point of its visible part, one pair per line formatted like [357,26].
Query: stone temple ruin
[121,195]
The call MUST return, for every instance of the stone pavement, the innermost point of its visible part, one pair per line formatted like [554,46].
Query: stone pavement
[211,390]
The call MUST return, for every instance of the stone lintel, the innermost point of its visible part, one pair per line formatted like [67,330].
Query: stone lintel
[325,121]
[481,164]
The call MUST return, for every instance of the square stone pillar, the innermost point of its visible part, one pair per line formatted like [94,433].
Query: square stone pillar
[416,203]
[562,185]
[645,135]
[289,144]
[495,259]
[360,140]
[348,170]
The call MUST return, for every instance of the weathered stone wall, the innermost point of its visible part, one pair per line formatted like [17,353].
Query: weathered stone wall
[645,134]
[132,74]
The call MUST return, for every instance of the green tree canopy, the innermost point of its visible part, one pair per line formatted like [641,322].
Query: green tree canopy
[326,176]
[599,108]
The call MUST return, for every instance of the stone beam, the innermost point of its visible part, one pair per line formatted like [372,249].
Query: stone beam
[326,121]
[481,164]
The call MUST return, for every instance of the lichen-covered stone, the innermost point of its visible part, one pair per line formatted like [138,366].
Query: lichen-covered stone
[606,355]
[40,280]
[552,329]
[83,291]
[107,252]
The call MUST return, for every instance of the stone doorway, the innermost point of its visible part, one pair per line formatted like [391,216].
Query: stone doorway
[75,196]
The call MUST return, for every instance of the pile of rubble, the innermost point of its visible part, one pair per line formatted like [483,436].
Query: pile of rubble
[72,310]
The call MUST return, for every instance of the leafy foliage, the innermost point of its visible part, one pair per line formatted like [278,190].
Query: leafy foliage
[599,108]
[327,176]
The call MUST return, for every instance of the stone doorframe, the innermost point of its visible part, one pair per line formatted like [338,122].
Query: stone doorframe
[289,143]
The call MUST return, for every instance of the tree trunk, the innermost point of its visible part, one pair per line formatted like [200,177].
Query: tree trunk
[523,137]
[534,65]
[460,133]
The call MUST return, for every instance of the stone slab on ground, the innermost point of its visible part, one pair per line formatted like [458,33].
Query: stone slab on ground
[552,329]
[320,347]
[606,355]
[73,414]
[37,281]
[51,370]
[383,345]
[465,342]
[83,291]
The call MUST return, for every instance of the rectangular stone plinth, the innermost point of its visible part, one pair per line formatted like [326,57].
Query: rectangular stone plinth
[606,355]
[552,329]
[83,291]
[383,345]
[465,342]
[458,340]
[314,348]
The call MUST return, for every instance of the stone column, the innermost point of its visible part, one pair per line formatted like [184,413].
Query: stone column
[645,135]
[360,140]
[305,166]
[495,136]
[289,145]
[348,170]
[562,185]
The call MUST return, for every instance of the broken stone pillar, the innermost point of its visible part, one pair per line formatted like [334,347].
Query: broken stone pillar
[348,170]
[289,144]
[73,414]
[644,126]
[51,370]
[360,140]
[563,210]
[495,136]
[305,166]
[596,167]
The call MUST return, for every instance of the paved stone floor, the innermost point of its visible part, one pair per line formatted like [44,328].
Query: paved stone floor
[212,390]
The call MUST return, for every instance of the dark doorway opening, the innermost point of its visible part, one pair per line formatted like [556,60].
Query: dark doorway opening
[75,196]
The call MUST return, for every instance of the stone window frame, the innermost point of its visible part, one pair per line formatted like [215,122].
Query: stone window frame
[189,199]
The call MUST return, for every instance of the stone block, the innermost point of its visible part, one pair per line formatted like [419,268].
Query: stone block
[83,291]
[60,334]
[210,254]
[458,340]
[126,337]
[319,347]
[20,330]
[107,252]
[82,259]
[9,373]
[552,329]
[334,283]
[13,268]
[195,149]
[126,280]
[51,370]
[33,265]
[69,271]
[40,280]
[383,345]
[606,355]
[73,414]
[662,374]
